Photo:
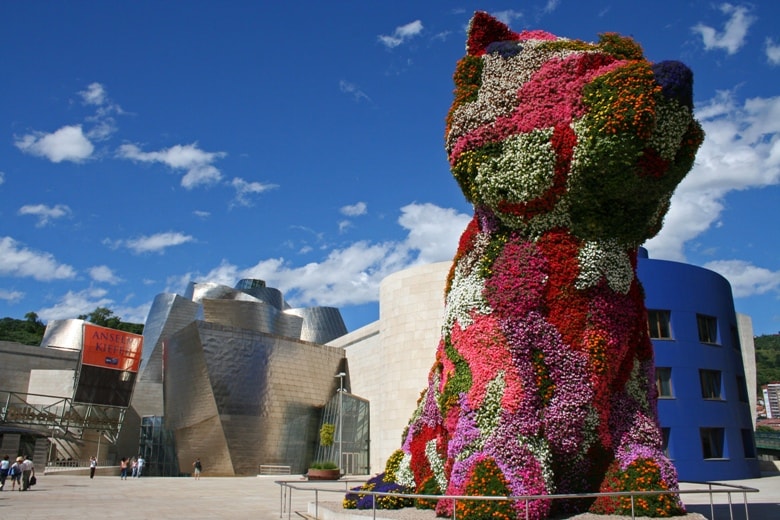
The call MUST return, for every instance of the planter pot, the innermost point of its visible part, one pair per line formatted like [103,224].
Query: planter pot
[323,474]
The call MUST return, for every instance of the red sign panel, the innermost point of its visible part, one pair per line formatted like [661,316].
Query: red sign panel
[109,348]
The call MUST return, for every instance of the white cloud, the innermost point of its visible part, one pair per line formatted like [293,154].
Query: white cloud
[509,15]
[2,177]
[401,34]
[351,275]
[196,162]
[156,243]
[745,278]
[104,124]
[104,274]
[201,214]
[19,261]
[734,33]
[772,52]
[66,144]
[11,296]
[741,151]
[433,231]
[95,94]
[244,189]
[551,6]
[76,303]
[350,88]
[354,210]
[45,213]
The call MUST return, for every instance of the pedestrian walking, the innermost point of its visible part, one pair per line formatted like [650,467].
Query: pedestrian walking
[123,468]
[5,467]
[28,472]
[197,468]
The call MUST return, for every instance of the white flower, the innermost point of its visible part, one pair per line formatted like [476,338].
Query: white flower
[524,170]
[404,474]
[672,120]
[464,297]
[489,413]
[436,463]
[604,258]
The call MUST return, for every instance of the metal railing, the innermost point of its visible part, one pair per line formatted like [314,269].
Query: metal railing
[710,488]
[61,415]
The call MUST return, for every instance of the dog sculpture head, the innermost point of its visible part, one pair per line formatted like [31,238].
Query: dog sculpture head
[547,132]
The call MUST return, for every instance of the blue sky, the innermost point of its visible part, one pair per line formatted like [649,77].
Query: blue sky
[147,144]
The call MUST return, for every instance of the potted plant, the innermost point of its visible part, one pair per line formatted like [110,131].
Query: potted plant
[326,470]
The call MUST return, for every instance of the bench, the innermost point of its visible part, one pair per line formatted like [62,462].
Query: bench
[274,469]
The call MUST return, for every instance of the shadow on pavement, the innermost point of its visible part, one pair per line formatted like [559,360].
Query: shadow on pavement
[756,511]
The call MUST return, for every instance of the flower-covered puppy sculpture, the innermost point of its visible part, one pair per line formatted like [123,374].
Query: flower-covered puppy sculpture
[543,380]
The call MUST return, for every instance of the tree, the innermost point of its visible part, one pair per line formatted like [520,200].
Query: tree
[106,318]
[33,324]
[102,316]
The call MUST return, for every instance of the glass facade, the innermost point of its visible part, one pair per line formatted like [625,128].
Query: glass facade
[350,444]
[157,446]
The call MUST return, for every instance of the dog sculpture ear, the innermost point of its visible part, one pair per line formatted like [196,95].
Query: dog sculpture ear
[484,30]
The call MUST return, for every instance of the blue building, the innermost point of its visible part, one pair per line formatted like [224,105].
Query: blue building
[703,400]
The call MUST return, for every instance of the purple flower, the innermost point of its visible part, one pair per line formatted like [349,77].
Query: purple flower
[676,79]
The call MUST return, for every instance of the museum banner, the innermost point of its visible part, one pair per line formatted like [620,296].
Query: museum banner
[110,348]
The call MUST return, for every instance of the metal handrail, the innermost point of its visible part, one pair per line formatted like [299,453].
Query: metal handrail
[287,487]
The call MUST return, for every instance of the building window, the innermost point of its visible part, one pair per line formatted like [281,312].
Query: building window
[742,390]
[663,381]
[658,324]
[665,446]
[710,384]
[748,445]
[708,328]
[712,443]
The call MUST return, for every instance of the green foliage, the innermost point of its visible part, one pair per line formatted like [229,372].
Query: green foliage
[105,317]
[325,464]
[29,331]
[326,434]
[486,480]
[640,475]
[767,359]
[392,465]
[428,487]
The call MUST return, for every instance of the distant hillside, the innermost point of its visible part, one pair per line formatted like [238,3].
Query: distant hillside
[30,330]
[767,359]
[27,332]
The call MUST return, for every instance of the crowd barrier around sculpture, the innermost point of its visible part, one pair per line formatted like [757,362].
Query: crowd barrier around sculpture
[341,487]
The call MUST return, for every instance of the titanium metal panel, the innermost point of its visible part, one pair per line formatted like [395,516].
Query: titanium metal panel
[320,324]
[262,393]
[67,334]
[169,313]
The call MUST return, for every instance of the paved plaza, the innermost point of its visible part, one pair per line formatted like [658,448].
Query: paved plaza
[67,496]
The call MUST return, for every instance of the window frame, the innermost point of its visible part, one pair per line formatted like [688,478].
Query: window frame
[707,327]
[662,384]
[708,385]
[712,443]
[659,321]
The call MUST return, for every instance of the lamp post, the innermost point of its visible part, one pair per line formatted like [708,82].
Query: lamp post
[341,376]
[97,456]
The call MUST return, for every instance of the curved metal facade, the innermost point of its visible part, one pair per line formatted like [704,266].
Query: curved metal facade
[703,404]
[244,380]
